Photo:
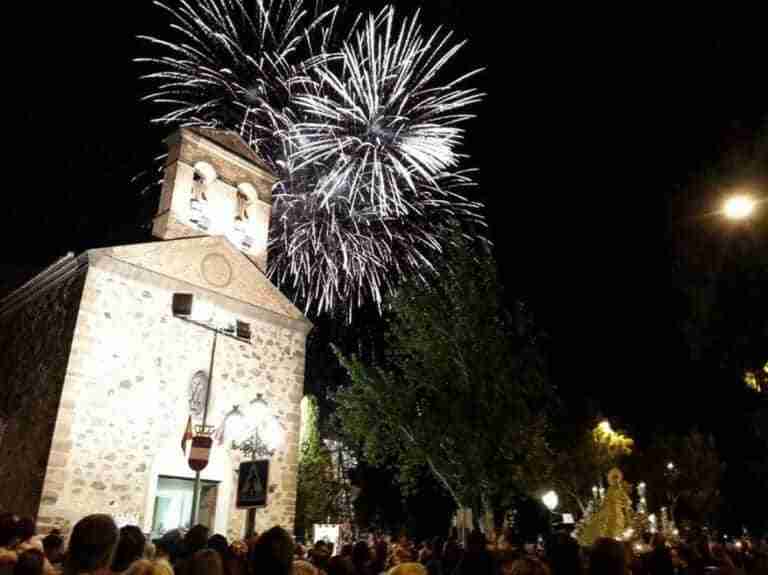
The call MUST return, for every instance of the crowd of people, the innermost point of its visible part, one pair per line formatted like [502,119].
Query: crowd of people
[97,547]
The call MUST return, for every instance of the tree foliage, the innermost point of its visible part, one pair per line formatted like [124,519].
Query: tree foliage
[690,487]
[461,390]
[319,486]
[583,463]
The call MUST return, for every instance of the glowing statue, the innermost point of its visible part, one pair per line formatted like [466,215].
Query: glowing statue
[614,515]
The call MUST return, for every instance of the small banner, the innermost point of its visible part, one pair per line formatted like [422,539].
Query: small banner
[187,435]
[200,452]
[252,484]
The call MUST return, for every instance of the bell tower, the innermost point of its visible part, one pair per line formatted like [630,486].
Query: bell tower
[215,184]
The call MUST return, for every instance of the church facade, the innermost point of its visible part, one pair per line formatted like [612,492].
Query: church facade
[101,373]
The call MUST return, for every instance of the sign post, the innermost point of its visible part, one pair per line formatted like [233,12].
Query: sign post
[252,489]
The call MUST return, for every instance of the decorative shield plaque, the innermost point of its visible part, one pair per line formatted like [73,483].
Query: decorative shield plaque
[200,452]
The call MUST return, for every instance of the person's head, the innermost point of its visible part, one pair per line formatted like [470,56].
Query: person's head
[25,528]
[130,547]
[30,562]
[272,554]
[525,566]
[91,545]
[147,567]
[206,562]
[564,555]
[196,539]
[9,531]
[607,558]
[53,546]
[219,544]
[169,545]
[408,569]
[303,568]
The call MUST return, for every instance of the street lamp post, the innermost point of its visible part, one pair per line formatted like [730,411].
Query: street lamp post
[257,433]
[203,428]
[182,307]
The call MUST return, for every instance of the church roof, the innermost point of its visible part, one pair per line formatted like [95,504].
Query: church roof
[232,142]
[211,263]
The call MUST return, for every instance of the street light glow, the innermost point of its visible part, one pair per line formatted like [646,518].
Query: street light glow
[739,207]
[670,466]
[550,500]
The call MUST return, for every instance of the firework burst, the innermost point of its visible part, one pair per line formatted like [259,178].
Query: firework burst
[354,119]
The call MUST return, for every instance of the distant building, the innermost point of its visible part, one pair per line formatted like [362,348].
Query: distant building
[98,376]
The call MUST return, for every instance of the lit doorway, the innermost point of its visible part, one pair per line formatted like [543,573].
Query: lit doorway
[173,504]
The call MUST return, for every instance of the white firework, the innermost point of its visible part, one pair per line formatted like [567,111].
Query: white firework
[354,119]
[378,122]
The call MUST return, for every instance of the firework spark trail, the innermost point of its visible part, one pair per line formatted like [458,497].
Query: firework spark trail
[353,119]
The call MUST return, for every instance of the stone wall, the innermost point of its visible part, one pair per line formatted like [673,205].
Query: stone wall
[34,350]
[126,400]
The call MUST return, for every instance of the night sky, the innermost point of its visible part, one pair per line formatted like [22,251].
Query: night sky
[595,147]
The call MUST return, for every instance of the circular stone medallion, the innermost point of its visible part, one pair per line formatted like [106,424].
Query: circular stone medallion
[216,270]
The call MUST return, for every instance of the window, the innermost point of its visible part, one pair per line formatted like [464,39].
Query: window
[203,177]
[173,504]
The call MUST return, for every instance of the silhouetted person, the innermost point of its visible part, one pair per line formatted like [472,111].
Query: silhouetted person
[435,563]
[206,562]
[130,548]
[8,540]
[660,559]
[92,545]
[564,555]
[341,566]
[361,558]
[146,567]
[30,562]
[53,547]
[451,556]
[195,540]
[169,546]
[527,566]
[477,559]
[272,554]
[607,558]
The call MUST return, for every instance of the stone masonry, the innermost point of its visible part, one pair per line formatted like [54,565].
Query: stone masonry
[124,400]
[96,370]
[34,350]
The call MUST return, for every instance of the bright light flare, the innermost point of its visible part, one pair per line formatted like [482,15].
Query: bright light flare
[605,427]
[739,207]
[550,500]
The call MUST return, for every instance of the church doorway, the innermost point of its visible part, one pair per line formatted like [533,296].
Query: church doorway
[173,504]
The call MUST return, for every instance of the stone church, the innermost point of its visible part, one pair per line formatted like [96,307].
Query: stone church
[98,375]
